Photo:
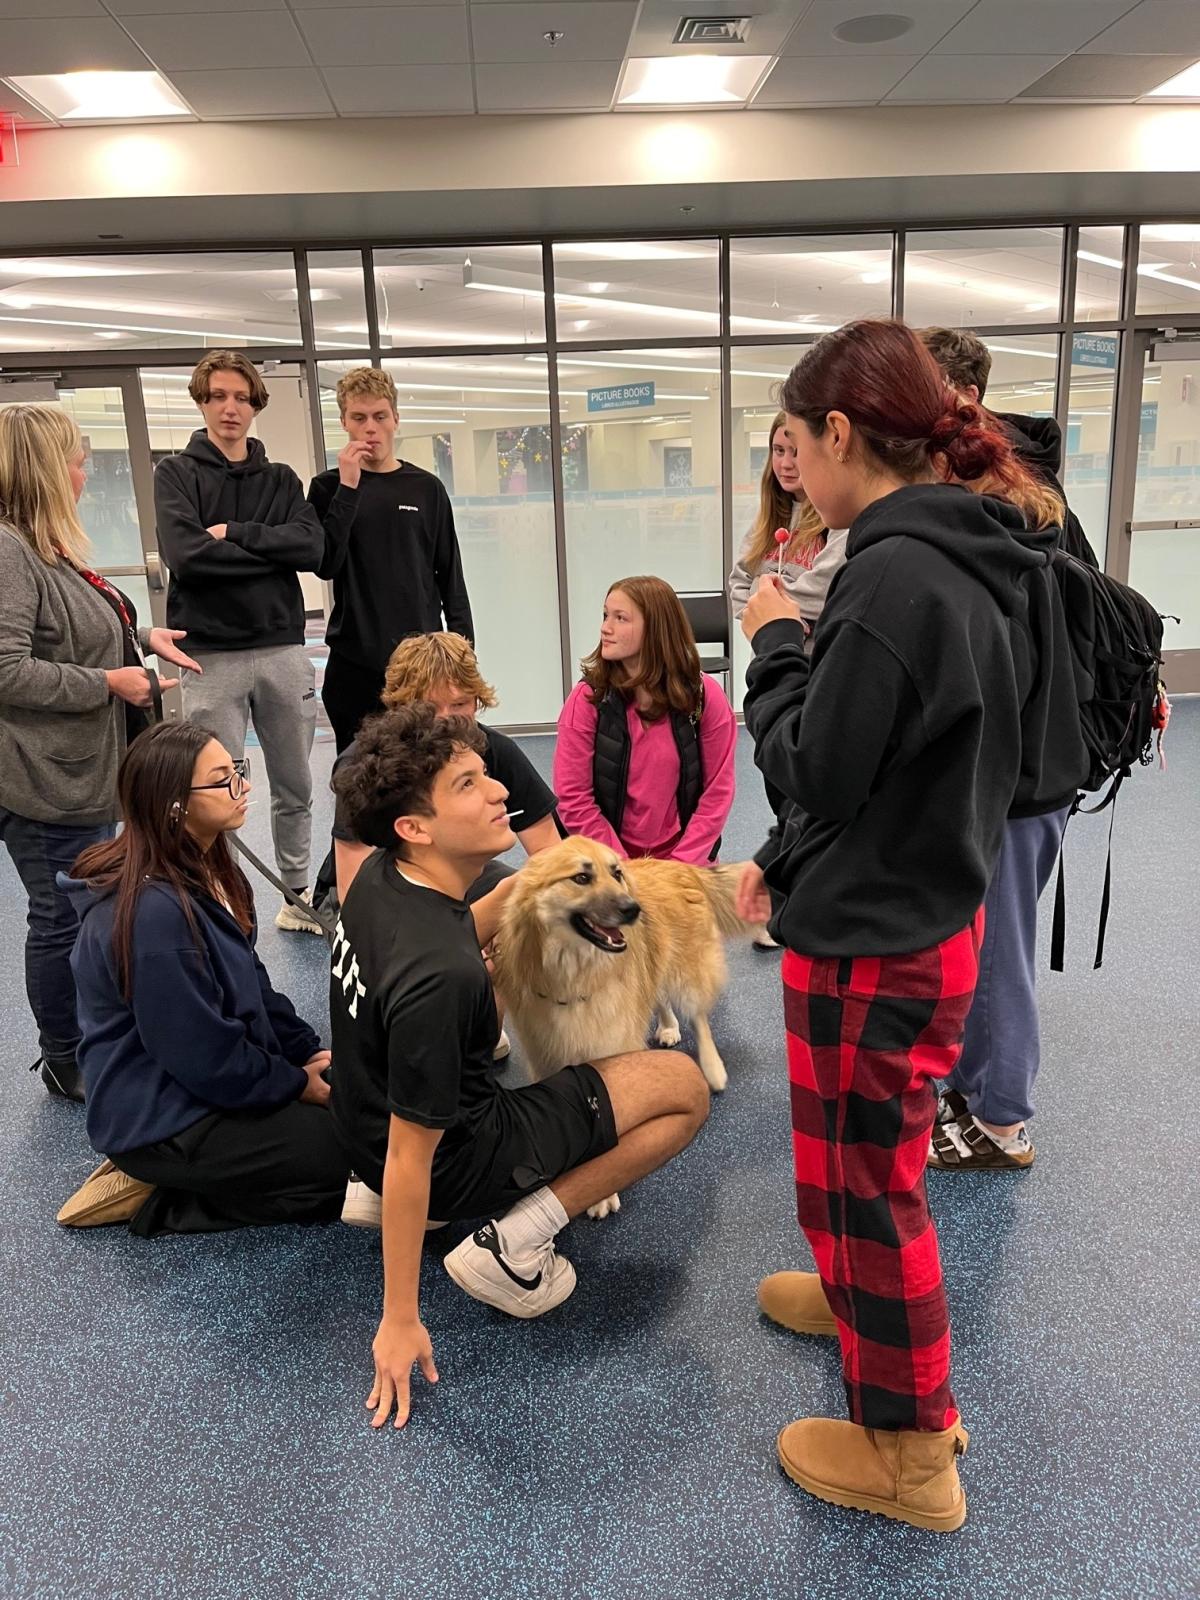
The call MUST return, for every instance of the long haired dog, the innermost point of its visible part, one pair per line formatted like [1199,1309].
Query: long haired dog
[591,947]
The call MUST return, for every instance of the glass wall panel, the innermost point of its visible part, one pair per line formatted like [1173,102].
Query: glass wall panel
[644,495]
[756,377]
[1098,271]
[484,294]
[337,290]
[636,290]
[982,277]
[147,302]
[1164,563]
[1024,372]
[1168,476]
[1088,445]
[107,507]
[1169,267]
[820,283]
[482,425]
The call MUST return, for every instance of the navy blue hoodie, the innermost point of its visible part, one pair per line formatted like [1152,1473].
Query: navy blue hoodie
[204,1032]
[900,744]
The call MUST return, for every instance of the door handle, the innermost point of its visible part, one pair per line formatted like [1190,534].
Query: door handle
[154,571]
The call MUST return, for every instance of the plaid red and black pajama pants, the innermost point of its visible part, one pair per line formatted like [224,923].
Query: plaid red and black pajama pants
[866,1037]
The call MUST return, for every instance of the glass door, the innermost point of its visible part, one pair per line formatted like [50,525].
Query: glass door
[1163,523]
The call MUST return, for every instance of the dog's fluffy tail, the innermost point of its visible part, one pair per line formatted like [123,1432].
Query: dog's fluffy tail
[721,886]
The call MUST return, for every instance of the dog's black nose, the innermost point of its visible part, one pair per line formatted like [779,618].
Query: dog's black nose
[629,910]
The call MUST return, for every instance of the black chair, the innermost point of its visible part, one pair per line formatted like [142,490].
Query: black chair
[708,614]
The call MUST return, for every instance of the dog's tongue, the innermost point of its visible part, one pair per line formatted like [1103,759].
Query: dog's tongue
[613,935]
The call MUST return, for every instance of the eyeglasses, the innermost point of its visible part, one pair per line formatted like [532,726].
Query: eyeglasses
[237,782]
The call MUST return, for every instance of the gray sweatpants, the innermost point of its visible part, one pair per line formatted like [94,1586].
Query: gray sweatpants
[276,690]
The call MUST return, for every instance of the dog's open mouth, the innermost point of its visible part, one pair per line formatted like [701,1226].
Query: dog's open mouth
[604,938]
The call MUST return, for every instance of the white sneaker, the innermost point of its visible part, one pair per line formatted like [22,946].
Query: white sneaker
[762,940]
[503,1046]
[362,1207]
[292,920]
[526,1290]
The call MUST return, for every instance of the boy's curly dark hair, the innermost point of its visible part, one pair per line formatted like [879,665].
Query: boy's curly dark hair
[398,755]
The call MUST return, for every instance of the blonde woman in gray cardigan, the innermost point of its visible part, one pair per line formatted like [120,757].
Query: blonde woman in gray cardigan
[71,680]
[812,555]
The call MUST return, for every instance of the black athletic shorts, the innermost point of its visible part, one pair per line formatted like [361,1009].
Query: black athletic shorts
[557,1125]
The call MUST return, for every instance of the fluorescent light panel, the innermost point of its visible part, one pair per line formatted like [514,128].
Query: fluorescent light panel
[101,96]
[1184,85]
[691,80]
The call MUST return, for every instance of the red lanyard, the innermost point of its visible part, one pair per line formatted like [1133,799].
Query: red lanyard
[113,596]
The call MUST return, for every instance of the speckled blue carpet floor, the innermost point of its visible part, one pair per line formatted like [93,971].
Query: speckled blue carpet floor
[184,1418]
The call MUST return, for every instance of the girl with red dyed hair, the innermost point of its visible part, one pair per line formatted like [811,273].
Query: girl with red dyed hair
[899,745]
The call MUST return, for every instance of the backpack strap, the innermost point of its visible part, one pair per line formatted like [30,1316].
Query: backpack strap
[1058,930]
[1107,895]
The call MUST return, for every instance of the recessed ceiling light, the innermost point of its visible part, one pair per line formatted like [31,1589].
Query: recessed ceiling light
[691,80]
[102,96]
[1184,85]
[875,29]
[873,277]
[105,333]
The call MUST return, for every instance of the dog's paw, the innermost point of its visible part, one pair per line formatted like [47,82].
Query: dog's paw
[667,1036]
[714,1073]
[605,1208]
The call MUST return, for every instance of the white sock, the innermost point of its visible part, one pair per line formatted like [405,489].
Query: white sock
[531,1224]
[1013,1144]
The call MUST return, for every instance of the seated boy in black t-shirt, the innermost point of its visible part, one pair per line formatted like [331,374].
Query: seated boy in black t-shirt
[443,669]
[415,1097]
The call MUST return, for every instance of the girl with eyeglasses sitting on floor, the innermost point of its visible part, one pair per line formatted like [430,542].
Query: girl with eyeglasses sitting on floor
[205,1090]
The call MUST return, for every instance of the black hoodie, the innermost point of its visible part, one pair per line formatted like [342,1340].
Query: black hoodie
[899,744]
[240,592]
[1038,444]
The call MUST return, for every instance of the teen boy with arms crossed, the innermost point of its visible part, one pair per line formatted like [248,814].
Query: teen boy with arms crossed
[234,530]
[413,1019]
[390,549]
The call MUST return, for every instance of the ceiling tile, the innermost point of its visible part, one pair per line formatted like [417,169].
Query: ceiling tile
[154,8]
[1008,26]
[412,36]
[196,42]
[817,81]
[770,23]
[282,92]
[572,86]
[90,44]
[50,8]
[505,32]
[931,20]
[1084,77]
[400,91]
[951,80]
[1156,27]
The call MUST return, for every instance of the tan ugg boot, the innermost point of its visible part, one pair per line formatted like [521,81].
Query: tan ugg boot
[797,1301]
[908,1475]
[108,1195]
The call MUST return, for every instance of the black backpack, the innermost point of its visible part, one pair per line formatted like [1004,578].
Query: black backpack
[1116,640]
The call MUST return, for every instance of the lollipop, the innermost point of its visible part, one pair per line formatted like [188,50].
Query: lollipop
[782,535]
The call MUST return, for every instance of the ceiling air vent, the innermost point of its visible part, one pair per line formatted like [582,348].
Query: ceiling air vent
[712,30]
